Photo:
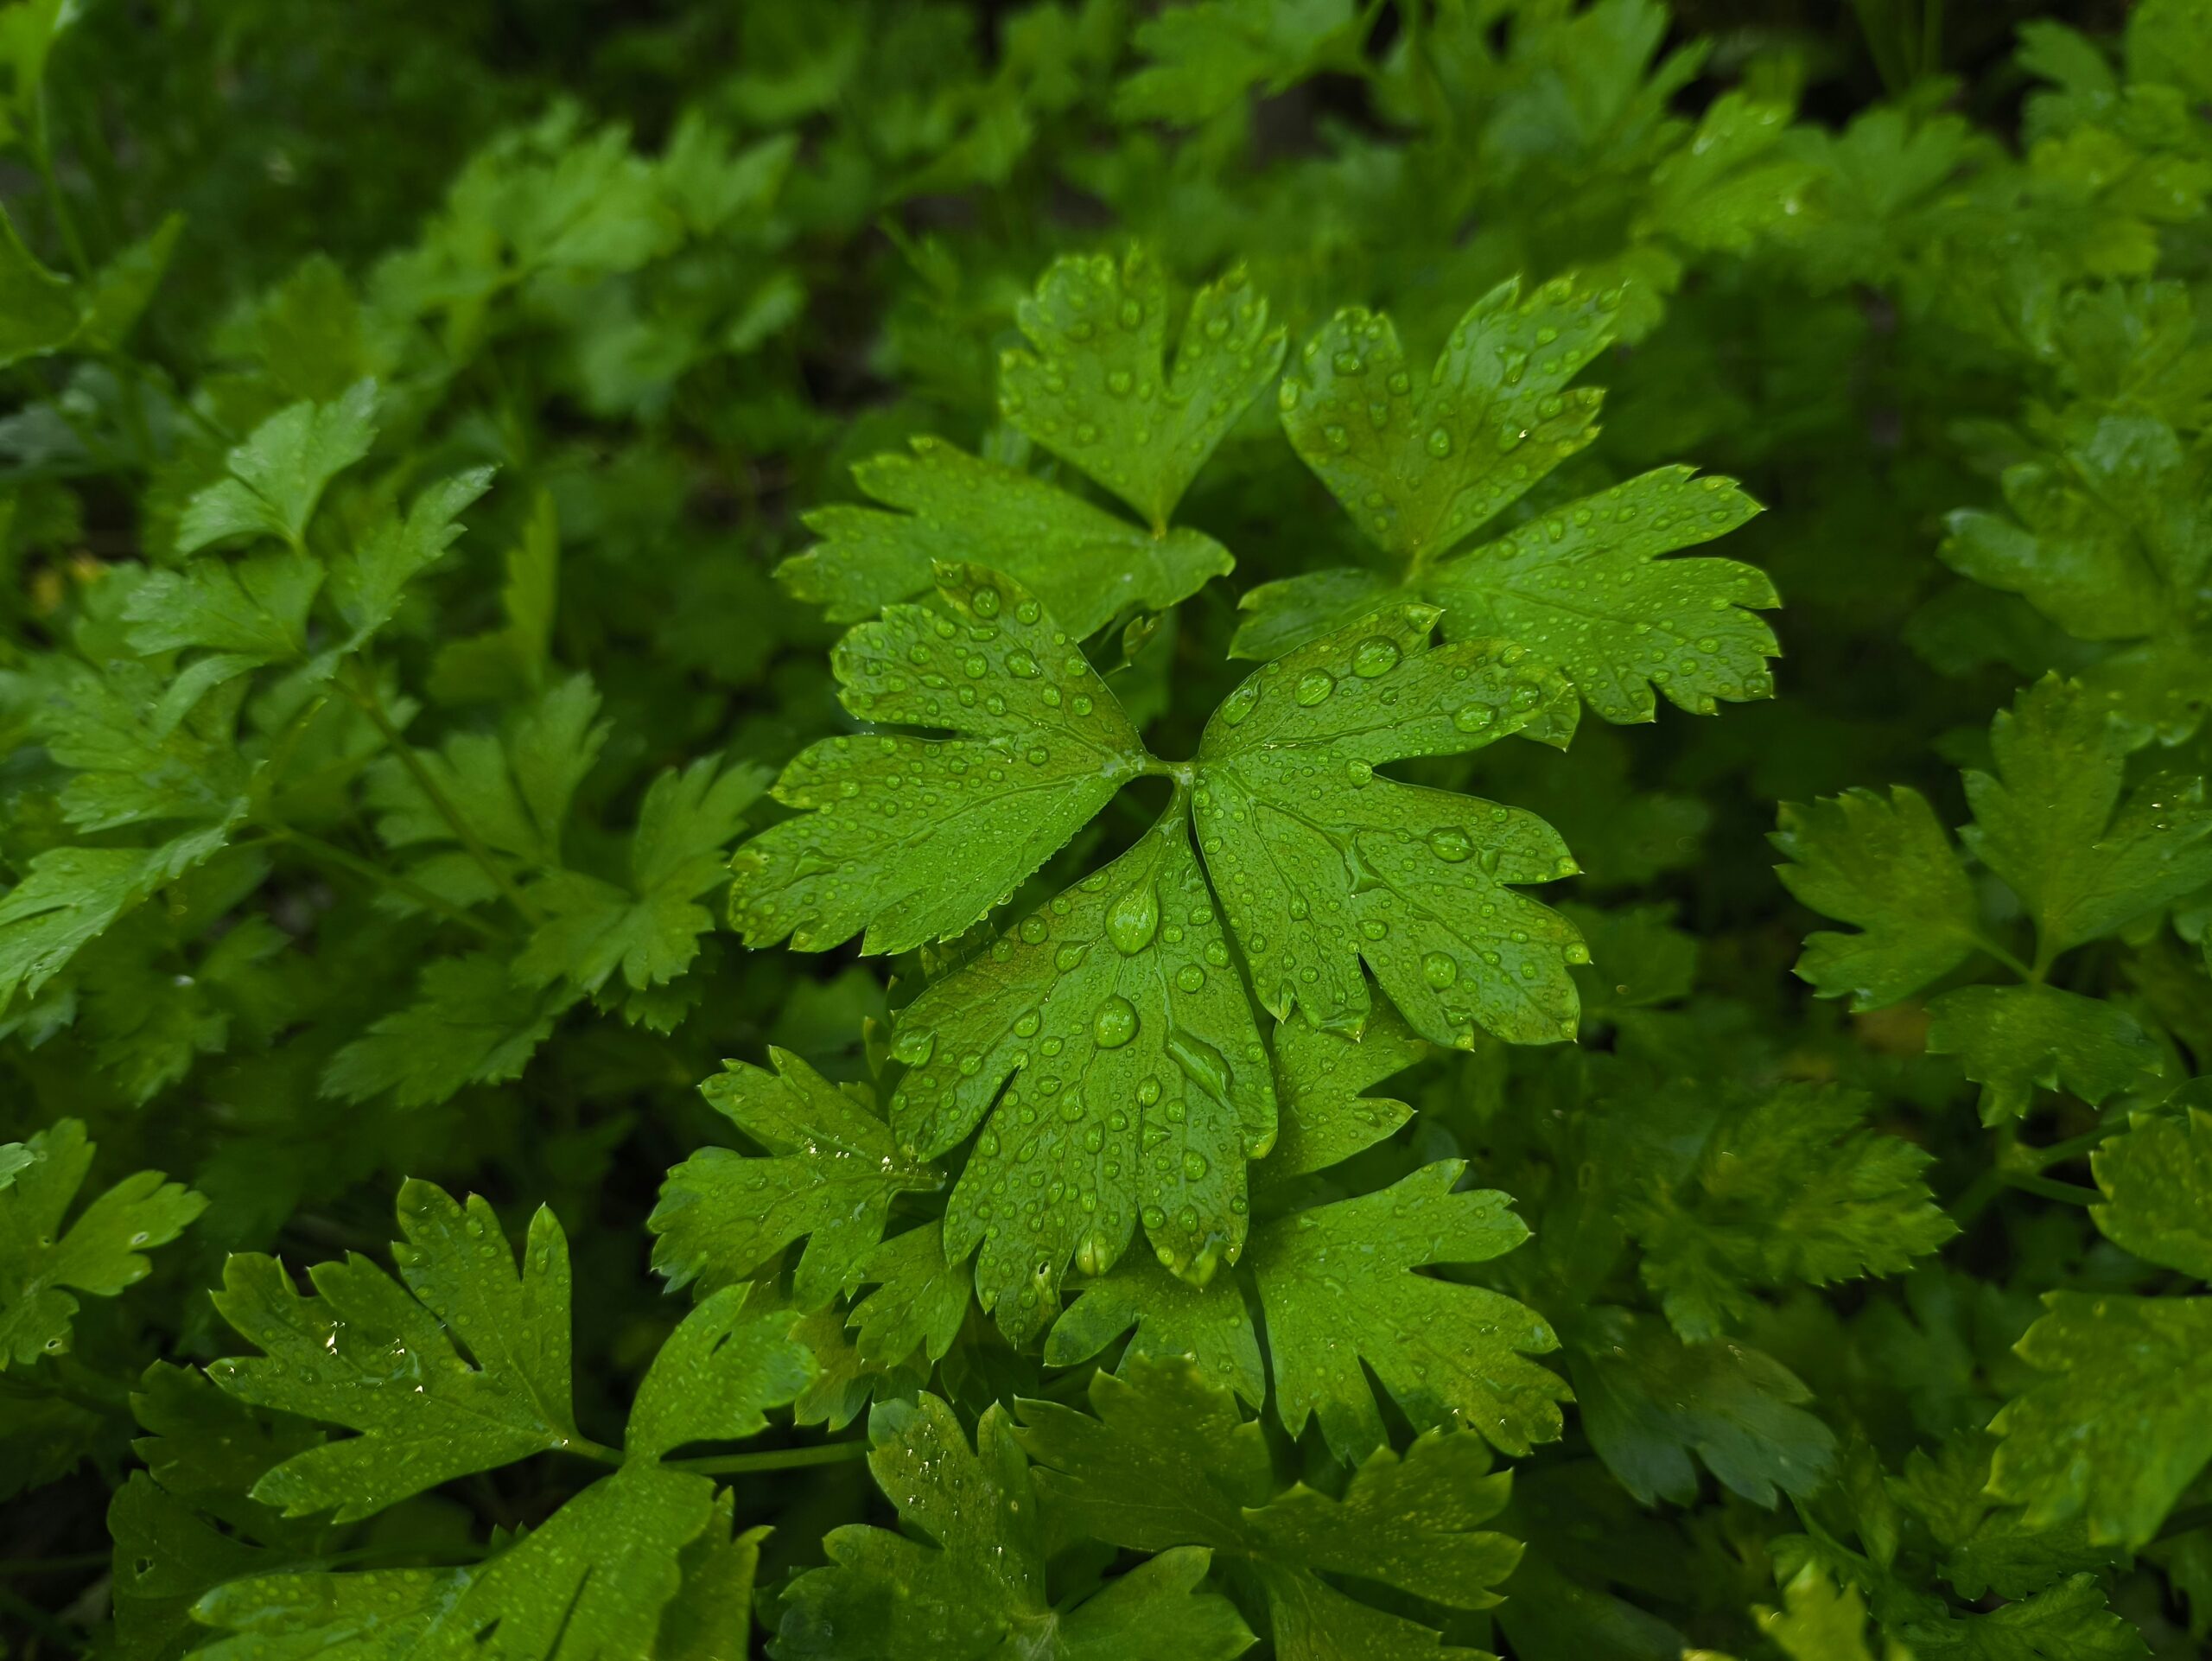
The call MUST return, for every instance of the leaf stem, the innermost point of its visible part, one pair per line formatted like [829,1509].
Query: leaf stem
[2059,1153]
[2016,964]
[55,1565]
[64,221]
[331,852]
[777,1458]
[2072,1193]
[366,698]
[587,1448]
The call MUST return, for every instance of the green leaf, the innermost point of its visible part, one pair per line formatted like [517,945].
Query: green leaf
[42,1263]
[1323,863]
[1095,387]
[208,1449]
[470,1024]
[1207,56]
[133,767]
[513,788]
[364,1353]
[1135,1083]
[121,291]
[1342,1296]
[1987,1548]
[845,1380]
[1420,462]
[714,1611]
[367,582]
[39,309]
[2052,821]
[1784,1189]
[1884,865]
[70,896]
[832,1174]
[2157,1184]
[166,1556]
[1734,183]
[1326,1116]
[2122,1425]
[277,476]
[1649,1402]
[1167,1461]
[967,1578]
[2070,1619]
[650,931]
[514,659]
[915,839]
[920,1302]
[2013,1040]
[716,1376]
[1164,1316]
[1086,565]
[1583,587]
[590,1584]
[1819,1621]
[242,616]
[2108,540]
[1292,610]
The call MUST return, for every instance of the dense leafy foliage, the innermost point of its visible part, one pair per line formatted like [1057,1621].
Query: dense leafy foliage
[1136,832]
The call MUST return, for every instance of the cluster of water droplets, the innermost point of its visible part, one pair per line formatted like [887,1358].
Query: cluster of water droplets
[1243,806]
[1101,393]
[1582,583]
[1422,467]
[1103,1012]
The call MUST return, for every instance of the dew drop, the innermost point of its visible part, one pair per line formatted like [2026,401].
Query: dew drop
[1133,919]
[1375,656]
[1450,844]
[1440,969]
[1115,1024]
[1313,686]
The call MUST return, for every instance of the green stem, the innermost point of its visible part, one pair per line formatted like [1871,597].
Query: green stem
[362,691]
[55,1565]
[2059,1153]
[333,854]
[134,405]
[1931,37]
[1984,943]
[779,1459]
[2072,1193]
[64,221]
[587,1448]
